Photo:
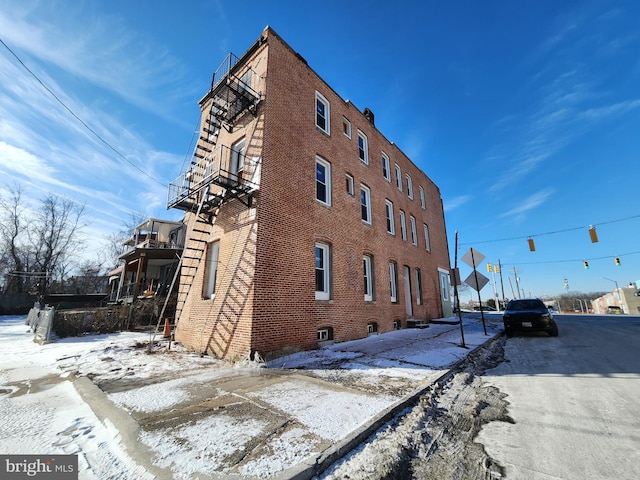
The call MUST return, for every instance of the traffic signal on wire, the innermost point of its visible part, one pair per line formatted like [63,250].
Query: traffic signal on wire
[617,261]
[586,264]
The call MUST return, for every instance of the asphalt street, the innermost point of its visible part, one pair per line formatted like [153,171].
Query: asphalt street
[574,400]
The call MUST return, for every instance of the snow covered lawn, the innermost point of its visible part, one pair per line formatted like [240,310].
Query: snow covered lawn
[199,415]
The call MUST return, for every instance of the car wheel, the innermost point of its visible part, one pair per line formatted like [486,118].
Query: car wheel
[553,331]
[508,332]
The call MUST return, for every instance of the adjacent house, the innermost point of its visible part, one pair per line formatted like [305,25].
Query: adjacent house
[149,262]
[305,225]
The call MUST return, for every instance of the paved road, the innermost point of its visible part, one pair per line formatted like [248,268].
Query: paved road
[575,400]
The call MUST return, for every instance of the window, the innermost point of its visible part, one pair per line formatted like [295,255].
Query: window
[367,267]
[422,200]
[346,127]
[409,186]
[386,169]
[426,237]
[391,228]
[363,148]
[414,230]
[403,226]
[322,113]
[236,163]
[325,334]
[393,281]
[365,202]
[323,181]
[211,270]
[418,287]
[323,263]
[349,180]
[398,177]
[245,81]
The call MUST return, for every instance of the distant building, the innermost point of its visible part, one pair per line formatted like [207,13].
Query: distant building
[624,298]
[149,262]
[305,225]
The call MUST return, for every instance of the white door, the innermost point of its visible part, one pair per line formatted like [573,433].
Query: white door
[407,292]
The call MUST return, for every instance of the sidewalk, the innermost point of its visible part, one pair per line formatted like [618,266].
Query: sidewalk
[176,415]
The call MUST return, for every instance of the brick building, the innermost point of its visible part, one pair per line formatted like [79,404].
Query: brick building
[305,224]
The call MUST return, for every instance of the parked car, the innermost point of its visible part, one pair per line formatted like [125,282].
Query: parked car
[528,314]
[614,309]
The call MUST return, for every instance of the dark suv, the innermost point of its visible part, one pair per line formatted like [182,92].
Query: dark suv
[528,314]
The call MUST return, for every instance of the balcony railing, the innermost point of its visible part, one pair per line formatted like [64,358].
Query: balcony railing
[223,167]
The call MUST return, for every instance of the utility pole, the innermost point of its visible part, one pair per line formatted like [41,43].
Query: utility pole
[504,301]
[515,276]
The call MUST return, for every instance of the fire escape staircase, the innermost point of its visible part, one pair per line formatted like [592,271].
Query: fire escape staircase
[210,182]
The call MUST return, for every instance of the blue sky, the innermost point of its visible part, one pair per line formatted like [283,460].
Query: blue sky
[526,114]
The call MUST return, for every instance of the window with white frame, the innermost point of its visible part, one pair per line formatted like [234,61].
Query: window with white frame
[423,203]
[386,167]
[426,237]
[323,181]
[367,267]
[350,188]
[393,281]
[409,186]
[414,230]
[398,177]
[365,204]
[322,113]
[323,271]
[211,270]
[403,226]
[346,127]
[391,228]
[418,287]
[363,148]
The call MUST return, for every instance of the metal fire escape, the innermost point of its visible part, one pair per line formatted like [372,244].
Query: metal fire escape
[216,173]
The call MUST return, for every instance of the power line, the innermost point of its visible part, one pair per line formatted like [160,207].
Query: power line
[551,233]
[605,257]
[96,134]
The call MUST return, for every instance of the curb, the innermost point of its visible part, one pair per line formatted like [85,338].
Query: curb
[127,428]
[309,468]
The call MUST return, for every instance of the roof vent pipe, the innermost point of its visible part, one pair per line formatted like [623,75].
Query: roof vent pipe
[368,114]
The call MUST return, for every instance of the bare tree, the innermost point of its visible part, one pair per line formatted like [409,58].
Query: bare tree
[114,242]
[13,253]
[53,235]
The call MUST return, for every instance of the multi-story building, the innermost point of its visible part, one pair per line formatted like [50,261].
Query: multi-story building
[621,300]
[305,224]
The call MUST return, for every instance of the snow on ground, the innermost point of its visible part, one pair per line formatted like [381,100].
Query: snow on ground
[41,412]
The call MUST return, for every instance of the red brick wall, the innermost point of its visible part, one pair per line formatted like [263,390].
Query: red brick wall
[279,312]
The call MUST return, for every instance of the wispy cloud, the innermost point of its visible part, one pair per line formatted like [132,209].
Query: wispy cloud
[567,98]
[529,203]
[101,50]
[456,202]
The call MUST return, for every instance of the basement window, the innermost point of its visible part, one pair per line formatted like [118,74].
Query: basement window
[325,333]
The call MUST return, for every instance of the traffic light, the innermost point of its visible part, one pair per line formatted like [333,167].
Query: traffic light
[489,267]
[593,234]
[532,245]
[617,261]
[586,265]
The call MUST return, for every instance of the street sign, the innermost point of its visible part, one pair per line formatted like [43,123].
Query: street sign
[471,281]
[476,258]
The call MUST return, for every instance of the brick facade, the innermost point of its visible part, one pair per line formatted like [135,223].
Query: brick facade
[265,291]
